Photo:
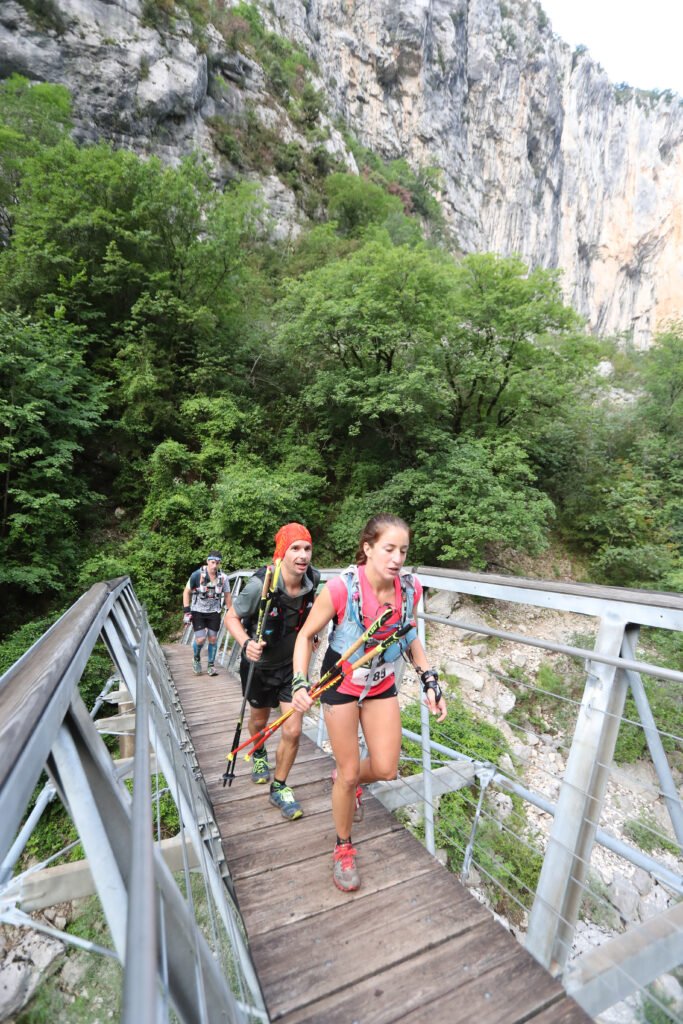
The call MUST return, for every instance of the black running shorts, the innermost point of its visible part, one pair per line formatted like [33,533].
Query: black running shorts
[269,686]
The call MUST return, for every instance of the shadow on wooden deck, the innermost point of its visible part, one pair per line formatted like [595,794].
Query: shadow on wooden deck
[412,945]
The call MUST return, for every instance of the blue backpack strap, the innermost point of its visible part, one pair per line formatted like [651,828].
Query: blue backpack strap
[407,606]
[354,604]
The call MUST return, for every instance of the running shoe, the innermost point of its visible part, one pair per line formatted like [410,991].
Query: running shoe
[196,666]
[211,671]
[260,769]
[345,873]
[283,798]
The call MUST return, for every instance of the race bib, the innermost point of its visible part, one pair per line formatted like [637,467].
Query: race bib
[360,676]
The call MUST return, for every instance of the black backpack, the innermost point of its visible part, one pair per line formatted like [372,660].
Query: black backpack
[274,628]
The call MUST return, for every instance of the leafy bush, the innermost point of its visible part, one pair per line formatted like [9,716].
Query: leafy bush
[461,730]
[512,865]
[354,203]
[506,855]
[46,15]
[667,709]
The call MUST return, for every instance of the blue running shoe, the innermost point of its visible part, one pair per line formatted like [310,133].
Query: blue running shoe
[283,798]
[260,769]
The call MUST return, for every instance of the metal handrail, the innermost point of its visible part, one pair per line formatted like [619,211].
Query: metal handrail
[44,722]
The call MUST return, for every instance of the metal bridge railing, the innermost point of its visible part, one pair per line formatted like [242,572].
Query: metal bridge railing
[560,805]
[570,792]
[171,965]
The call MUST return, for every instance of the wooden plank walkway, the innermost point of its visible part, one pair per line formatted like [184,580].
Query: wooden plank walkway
[412,945]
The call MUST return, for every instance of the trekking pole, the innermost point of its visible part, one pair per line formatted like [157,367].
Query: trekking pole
[332,674]
[267,591]
[343,667]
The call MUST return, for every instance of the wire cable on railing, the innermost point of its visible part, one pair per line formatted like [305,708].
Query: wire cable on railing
[496,881]
[541,768]
[623,719]
[163,944]
[449,838]
[663,875]
[240,967]
[199,980]
[644,668]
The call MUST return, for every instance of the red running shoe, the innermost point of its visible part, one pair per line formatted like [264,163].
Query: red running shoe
[345,873]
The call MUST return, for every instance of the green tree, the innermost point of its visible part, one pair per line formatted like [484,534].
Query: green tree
[31,114]
[617,475]
[461,500]
[513,353]
[49,405]
[354,203]
[407,344]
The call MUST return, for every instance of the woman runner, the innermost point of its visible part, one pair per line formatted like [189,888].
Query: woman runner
[353,601]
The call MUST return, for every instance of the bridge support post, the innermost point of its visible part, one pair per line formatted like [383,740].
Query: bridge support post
[561,884]
[428,805]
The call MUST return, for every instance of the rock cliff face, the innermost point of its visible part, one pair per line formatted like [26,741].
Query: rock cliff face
[540,154]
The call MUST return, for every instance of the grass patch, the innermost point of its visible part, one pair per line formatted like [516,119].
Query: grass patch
[646,833]
[548,703]
[514,866]
[461,730]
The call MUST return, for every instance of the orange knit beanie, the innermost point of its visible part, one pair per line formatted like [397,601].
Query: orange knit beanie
[287,535]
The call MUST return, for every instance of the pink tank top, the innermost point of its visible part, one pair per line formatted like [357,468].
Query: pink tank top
[371,610]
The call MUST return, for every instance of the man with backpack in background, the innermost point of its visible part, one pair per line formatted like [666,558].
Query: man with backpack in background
[206,591]
[266,666]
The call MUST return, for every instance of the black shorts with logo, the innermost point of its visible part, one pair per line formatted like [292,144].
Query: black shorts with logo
[269,686]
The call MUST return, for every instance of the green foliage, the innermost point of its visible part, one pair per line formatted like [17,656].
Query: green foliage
[646,832]
[158,14]
[55,829]
[213,383]
[509,868]
[45,15]
[461,730]
[286,65]
[667,709]
[548,703]
[657,1006]
[630,518]
[354,203]
[31,115]
[459,501]
[251,503]
[505,863]
[18,642]
[415,188]
[596,906]
[49,406]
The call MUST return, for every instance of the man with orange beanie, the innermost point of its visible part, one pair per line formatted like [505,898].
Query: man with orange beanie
[271,679]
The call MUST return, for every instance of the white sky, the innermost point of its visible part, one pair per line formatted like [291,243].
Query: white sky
[635,41]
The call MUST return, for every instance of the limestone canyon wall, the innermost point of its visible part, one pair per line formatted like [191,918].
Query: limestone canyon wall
[540,153]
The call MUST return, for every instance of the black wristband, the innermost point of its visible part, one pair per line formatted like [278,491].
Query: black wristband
[430,681]
[187,608]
